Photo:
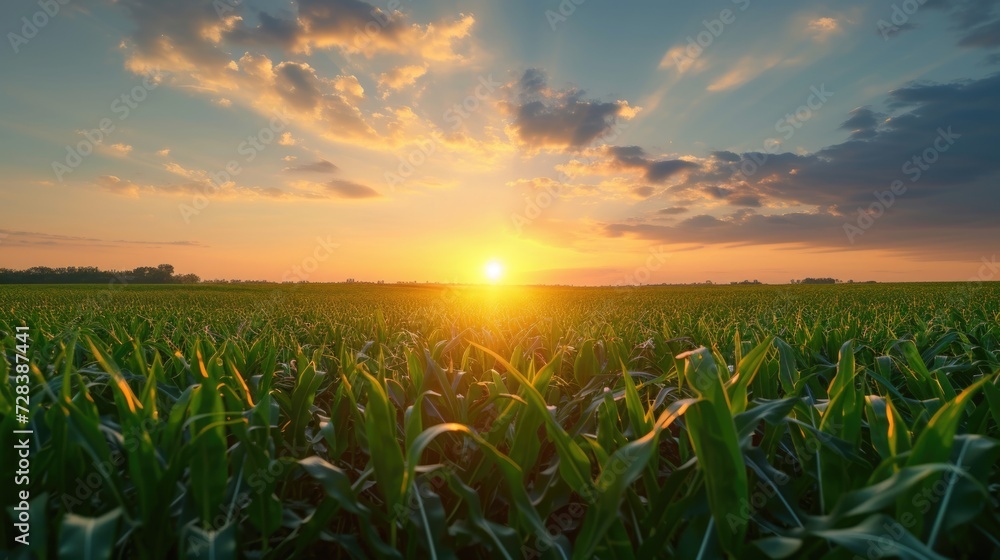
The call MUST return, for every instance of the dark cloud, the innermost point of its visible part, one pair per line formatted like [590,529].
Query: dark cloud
[13,238]
[976,21]
[673,210]
[559,120]
[176,30]
[347,20]
[741,228]
[298,85]
[734,196]
[346,23]
[862,122]
[985,36]
[657,171]
[660,171]
[352,25]
[533,82]
[643,192]
[844,175]
[321,166]
[891,30]
[938,147]
[726,156]
[349,189]
[270,30]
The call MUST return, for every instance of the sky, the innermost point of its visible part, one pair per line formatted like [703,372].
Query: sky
[572,142]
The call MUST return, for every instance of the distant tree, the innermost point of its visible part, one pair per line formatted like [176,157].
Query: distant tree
[162,274]
[818,281]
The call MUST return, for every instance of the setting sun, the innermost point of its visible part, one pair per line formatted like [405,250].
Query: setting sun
[494,271]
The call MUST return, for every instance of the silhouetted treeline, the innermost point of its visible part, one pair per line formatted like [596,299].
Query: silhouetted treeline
[163,274]
[819,281]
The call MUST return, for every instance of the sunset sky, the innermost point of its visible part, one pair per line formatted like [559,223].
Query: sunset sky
[586,142]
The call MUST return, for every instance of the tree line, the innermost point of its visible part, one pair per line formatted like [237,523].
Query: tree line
[162,274]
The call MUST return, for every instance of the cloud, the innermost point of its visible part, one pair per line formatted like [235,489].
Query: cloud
[315,102]
[130,189]
[298,84]
[679,58]
[537,184]
[657,171]
[937,139]
[977,22]
[355,27]
[823,28]
[863,122]
[745,70]
[401,76]
[164,152]
[672,210]
[222,102]
[739,228]
[286,139]
[644,191]
[321,166]
[634,162]
[986,36]
[350,87]
[13,238]
[116,150]
[200,49]
[349,189]
[559,120]
[118,186]
[199,184]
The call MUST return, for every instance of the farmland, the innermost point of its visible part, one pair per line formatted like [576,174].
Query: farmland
[361,421]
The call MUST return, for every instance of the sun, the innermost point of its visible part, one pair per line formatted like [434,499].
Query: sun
[493,271]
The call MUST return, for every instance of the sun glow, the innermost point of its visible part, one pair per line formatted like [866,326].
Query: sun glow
[493,271]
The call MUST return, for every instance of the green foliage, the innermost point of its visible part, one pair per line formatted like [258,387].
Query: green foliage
[447,422]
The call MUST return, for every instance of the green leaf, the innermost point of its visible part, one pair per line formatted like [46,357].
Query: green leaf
[622,468]
[210,544]
[713,434]
[88,538]
[585,366]
[387,457]
[746,370]
[574,466]
[883,534]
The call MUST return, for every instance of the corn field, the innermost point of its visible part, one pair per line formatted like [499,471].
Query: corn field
[361,421]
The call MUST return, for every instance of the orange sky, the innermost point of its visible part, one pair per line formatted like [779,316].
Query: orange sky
[619,144]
